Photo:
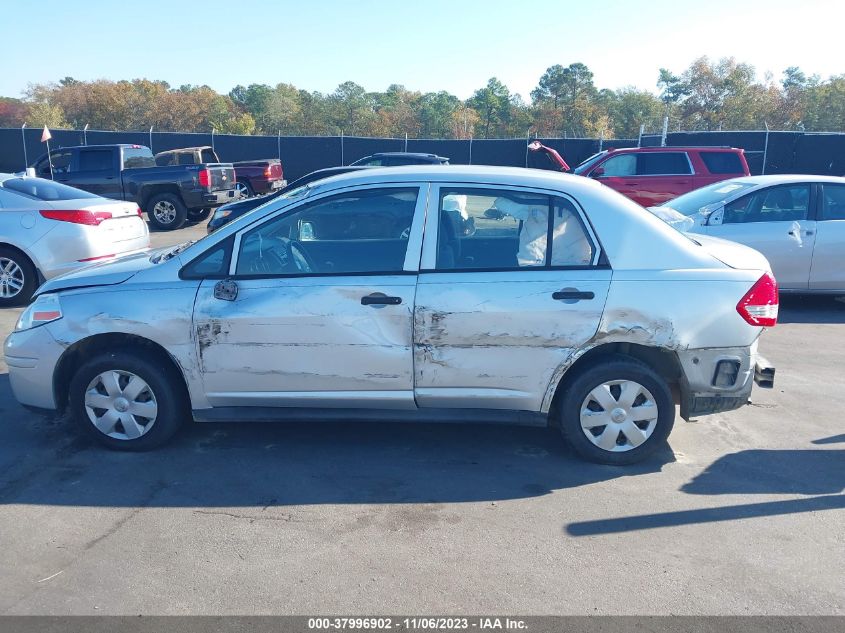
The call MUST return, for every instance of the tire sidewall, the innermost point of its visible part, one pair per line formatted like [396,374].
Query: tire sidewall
[249,191]
[30,278]
[181,212]
[159,377]
[616,368]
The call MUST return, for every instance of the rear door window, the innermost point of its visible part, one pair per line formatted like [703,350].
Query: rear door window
[95,160]
[833,202]
[722,162]
[663,164]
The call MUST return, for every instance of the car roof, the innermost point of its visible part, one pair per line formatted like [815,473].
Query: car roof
[471,174]
[677,148]
[775,179]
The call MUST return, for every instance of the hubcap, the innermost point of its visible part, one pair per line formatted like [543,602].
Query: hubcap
[164,211]
[11,278]
[242,189]
[121,405]
[618,415]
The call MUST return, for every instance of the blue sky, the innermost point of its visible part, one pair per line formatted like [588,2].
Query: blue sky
[426,45]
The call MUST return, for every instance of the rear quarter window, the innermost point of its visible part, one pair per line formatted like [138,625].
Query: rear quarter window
[722,162]
[137,157]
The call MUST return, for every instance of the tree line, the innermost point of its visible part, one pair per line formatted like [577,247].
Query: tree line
[709,95]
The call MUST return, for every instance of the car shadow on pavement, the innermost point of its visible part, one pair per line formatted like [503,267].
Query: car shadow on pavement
[820,474]
[811,309]
[249,465]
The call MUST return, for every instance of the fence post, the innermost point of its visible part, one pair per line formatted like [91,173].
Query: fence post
[601,140]
[665,131]
[527,141]
[470,149]
[151,138]
[765,148]
[279,143]
[406,141]
[212,138]
[85,135]
[23,140]
[342,160]
[640,137]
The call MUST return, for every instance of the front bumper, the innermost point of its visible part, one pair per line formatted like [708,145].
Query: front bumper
[32,356]
[704,389]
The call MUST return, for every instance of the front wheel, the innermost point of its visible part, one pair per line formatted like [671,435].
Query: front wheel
[166,212]
[127,400]
[617,412]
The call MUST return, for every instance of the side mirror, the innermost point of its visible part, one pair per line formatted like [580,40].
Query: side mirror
[226,290]
[598,172]
[306,232]
[715,217]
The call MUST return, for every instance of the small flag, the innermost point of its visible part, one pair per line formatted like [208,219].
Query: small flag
[45,135]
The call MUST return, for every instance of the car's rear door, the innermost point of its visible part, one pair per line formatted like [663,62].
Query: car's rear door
[318,308]
[662,176]
[777,222]
[497,312]
[828,272]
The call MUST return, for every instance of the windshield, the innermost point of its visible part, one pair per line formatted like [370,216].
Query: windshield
[587,165]
[695,201]
[47,190]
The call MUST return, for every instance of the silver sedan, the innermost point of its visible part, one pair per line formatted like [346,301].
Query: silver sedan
[413,293]
[47,229]
[796,221]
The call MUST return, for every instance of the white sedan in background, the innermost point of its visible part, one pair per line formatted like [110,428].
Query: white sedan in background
[47,229]
[796,221]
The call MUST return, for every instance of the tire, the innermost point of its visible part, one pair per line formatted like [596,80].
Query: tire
[18,278]
[615,380]
[245,189]
[166,212]
[107,380]
[198,215]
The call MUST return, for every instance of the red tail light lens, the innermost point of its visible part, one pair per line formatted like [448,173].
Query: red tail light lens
[268,171]
[759,306]
[91,218]
[204,177]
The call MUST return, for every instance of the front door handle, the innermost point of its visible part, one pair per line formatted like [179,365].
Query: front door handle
[380,299]
[573,294]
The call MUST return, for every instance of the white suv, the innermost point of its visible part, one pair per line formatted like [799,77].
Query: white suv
[424,293]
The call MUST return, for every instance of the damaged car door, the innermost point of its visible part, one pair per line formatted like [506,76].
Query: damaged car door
[512,282]
[317,309]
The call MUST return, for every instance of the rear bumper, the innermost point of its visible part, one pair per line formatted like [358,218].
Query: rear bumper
[262,185]
[217,198]
[721,379]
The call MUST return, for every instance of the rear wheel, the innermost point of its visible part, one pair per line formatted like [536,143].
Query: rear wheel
[127,400]
[18,279]
[166,212]
[198,215]
[244,188]
[617,412]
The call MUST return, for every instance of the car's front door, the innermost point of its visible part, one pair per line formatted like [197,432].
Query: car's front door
[775,221]
[827,272]
[318,309]
[498,309]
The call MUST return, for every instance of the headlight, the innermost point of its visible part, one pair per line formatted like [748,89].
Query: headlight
[222,213]
[44,309]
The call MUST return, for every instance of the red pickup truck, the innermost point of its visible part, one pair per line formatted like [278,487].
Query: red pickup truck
[254,177]
[652,175]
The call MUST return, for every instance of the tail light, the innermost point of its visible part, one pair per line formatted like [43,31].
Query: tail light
[759,306]
[139,212]
[268,171]
[91,218]
[204,177]
[273,171]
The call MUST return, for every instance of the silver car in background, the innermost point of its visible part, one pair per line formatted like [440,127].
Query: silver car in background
[47,229]
[796,221]
[412,293]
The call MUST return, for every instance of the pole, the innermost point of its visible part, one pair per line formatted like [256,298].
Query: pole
[406,141]
[279,143]
[601,140]
[212,139]
[151,138]
[470,149]
[85,135]
[765,148]
[50,160]
[527,140]
[23,141]
[665,131]
[341,148]
[640,137]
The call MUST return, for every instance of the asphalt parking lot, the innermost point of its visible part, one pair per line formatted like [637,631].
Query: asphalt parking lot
[743,515]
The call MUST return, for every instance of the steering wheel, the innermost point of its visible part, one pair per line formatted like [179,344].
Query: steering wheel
[286,256]
[299,257]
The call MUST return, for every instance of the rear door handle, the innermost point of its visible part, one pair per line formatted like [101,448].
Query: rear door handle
[573,295]
[379,299]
